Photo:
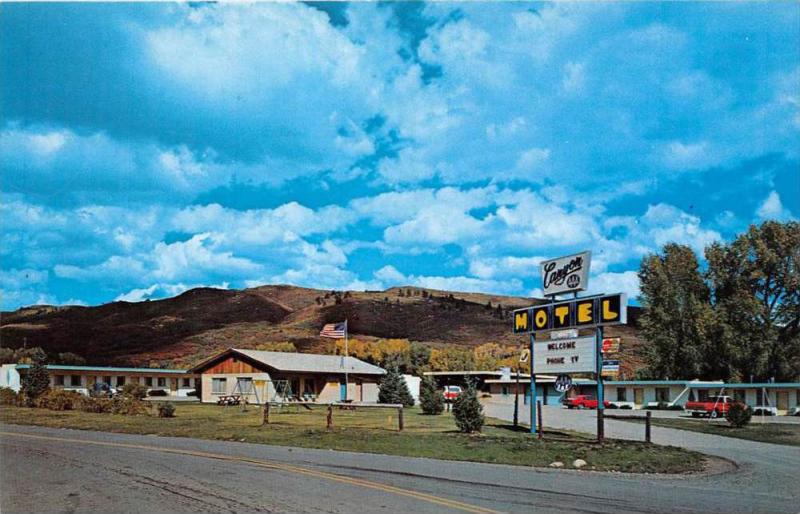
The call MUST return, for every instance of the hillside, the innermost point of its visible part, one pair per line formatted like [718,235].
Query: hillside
[189,327]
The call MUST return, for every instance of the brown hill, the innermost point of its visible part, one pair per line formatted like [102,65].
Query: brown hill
[189,327]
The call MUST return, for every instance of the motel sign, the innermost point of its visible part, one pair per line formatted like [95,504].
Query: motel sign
[579,313]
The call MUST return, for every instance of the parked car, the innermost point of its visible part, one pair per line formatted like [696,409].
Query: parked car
[713,407]
[451,393]
[583,401]
[102,390]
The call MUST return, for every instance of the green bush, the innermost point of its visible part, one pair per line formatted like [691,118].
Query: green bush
[468,411]
[128,406]
[58,399]
[8,396]
[430,398]
[134,391]
[393,388]
[166,410]
[738,415]
[96,405]
[37,380]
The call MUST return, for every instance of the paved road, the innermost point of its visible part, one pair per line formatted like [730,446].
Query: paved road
[765,469]
[50,470]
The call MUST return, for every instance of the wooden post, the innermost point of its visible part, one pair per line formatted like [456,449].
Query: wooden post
[265,414]
[539,415]
[400,418]
[647,426]
[516,401]
[601,432]
[330,417]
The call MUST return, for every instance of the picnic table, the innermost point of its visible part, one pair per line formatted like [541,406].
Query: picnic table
[229,399]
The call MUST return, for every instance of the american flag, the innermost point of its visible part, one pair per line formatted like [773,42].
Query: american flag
[334,330]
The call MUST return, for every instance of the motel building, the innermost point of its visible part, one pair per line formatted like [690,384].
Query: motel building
[174,382]
[767,398]
[260,376]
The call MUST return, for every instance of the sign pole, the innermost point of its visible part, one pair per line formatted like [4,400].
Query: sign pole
[516,400]
[533,388]
[346,355]
[600,388]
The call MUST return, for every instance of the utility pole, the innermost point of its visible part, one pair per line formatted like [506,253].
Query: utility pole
[516,400]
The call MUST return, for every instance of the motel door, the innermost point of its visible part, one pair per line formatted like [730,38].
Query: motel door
[342,390]
[783,400]
[638,396]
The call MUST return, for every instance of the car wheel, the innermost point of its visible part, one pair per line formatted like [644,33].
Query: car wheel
[695,414]
[713,414]
[580,407]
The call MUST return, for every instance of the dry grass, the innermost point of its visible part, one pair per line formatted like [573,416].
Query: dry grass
[375,431]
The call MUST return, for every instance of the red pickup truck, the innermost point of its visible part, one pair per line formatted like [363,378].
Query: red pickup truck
[714,406]
[583,401]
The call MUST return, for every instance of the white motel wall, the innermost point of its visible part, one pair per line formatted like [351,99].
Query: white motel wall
[260,376]
[175,382]
[639,394]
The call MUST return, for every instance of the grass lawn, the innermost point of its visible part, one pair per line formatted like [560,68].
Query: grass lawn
[375,431]
[778,433]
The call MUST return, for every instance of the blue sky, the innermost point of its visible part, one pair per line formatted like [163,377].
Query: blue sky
[147,149]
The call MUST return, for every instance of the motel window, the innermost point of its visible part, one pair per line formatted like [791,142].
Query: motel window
[120,381]
[798,397]
[308,387]
[245,385]
[162,382]
[58,380]
[186,382]
[75,380]
[219,385]
[148,381]
[702,395]
[662,394]
[622,394]
[738,395]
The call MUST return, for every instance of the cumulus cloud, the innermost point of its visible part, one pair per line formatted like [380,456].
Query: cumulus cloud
[475,139]
[772,209]
[161,290]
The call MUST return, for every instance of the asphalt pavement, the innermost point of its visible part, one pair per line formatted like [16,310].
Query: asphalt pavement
[51,470]
[764,468]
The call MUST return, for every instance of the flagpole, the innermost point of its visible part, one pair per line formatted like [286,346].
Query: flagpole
[346,355]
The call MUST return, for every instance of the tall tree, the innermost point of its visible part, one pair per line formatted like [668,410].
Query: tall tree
[431,398]
[755,283]
[468,411]
[676,317]
[36,381]
[393,388]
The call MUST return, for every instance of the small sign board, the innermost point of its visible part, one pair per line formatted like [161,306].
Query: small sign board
[524,356]
[611,345]
[563,383]
[577,355]
[610,366]
[590,312]
[564,334]
[568,274]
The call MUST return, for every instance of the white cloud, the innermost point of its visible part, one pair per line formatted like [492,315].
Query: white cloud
[772,209]
[390,275]
[606,283]
[162,290]
[663,223]
[196,257]
[700,155]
